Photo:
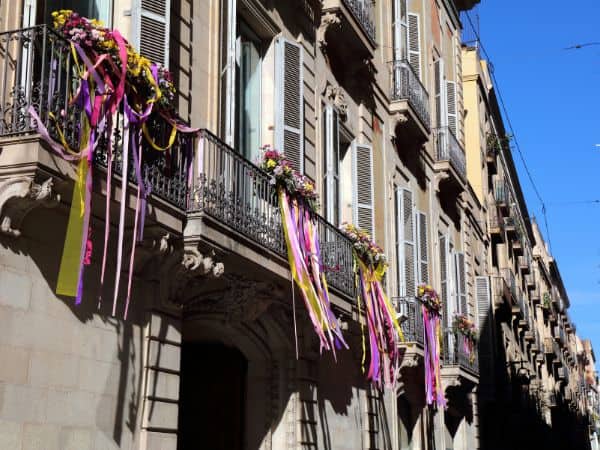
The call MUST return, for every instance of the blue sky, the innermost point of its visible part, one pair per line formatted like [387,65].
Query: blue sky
[553,100]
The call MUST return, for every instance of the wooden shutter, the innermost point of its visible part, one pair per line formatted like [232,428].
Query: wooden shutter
[290,102]
[423,257]
[408,237]
[460,283]
[444,288]
[362,168]
[331,164]
[485,326]
[414,43]
[152,30]
[451,99]
[440,107]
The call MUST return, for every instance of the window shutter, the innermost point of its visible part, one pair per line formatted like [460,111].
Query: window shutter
[414,43]
[444,290]
[290,102]
[440,107]
[423,257]
[331,164]
[408,232]
[152,30]
[451,98]
[362,163]
[461,283]
[484,319]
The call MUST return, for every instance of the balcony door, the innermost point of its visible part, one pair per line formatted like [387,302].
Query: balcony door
[40,11]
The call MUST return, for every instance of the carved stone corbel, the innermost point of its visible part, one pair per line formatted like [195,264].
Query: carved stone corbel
[327,20]
[335,95]
[437,180]
[18,197]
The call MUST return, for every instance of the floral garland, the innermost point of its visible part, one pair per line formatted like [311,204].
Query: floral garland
[384,330]
[463,325]
[431,306]
[112,78]
[429,298]
[298,203]
[284,175]
[367,250]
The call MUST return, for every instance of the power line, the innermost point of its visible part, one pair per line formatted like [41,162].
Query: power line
[514,135]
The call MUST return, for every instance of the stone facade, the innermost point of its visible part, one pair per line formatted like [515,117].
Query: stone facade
[218,344]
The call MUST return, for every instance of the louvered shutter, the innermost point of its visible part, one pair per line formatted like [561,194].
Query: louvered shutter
[152,30]
[440,107]
[362,165]
[414,43]
[228,70]
[408,234]
[484,319]
[331,164]
[423,257]
[444,288]
[451,99]
[460,282]
[290,102]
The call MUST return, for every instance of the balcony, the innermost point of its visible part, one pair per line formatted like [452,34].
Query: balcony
[450,157]
[347,30]
[457,365]
[410,317]
[233,202]
[410,101]
[37,72]
[495,220]
[502,195]
[510,283]
[525,263]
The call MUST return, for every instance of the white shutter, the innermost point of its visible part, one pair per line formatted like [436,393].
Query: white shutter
[400,28]
[485,326]
[423,257]
[414,43]
[290,102]
[451,99]
[331,164]
[482,286]
[444,282]
[408,235]
[228,70]
[152,23]
[440,91]
[460,283]
[362,168]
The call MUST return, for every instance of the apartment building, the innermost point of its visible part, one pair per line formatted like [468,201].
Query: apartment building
[396,123]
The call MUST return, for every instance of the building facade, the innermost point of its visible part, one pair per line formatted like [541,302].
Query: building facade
[396,122]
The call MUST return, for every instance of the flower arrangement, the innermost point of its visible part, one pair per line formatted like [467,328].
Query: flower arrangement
[429,297]
[364,246]
[284,175]
[463,325]
[93,37]
[547,301]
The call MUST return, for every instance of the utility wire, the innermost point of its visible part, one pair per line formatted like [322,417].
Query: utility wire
[514,135]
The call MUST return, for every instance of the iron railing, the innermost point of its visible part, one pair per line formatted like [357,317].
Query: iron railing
[407,86]
[362,10]
[455,354]
[509,278]
[37,70]
[502,192]
[238,194]
[449,149]
[410,316]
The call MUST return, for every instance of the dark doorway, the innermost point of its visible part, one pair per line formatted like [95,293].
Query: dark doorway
[212,397]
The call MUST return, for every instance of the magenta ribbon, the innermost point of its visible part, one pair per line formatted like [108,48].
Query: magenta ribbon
[433,381]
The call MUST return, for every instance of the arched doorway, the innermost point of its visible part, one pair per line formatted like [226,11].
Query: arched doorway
[212,397]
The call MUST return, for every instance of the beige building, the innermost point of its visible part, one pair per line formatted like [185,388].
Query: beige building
[397,124]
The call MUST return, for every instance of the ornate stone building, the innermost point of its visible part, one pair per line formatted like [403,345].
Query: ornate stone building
[376,101]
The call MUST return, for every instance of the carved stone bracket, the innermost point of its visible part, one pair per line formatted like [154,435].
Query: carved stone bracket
[437,180]
[336,96]
[18,197]
[327,20]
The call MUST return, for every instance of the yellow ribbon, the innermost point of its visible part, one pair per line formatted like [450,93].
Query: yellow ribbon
[153,144]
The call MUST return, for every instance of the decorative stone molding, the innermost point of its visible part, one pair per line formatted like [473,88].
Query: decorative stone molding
[411,360]
[240,299]
[18,197]
[327,20]
[336,96]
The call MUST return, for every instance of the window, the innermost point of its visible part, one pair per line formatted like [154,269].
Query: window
[40,11]
[400,27]
[405,242]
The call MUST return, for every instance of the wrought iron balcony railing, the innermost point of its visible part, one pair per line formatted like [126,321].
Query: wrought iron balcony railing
[362,10]
[407,86]
[239,195]
[502,192]
[449,149]
[410,316]
[37,71]
[455,354]
[509,279]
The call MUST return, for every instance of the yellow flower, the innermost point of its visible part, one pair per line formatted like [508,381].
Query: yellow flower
[271,164]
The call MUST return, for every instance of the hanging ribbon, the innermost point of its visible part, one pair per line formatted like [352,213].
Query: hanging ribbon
[300,231]
[434,392]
